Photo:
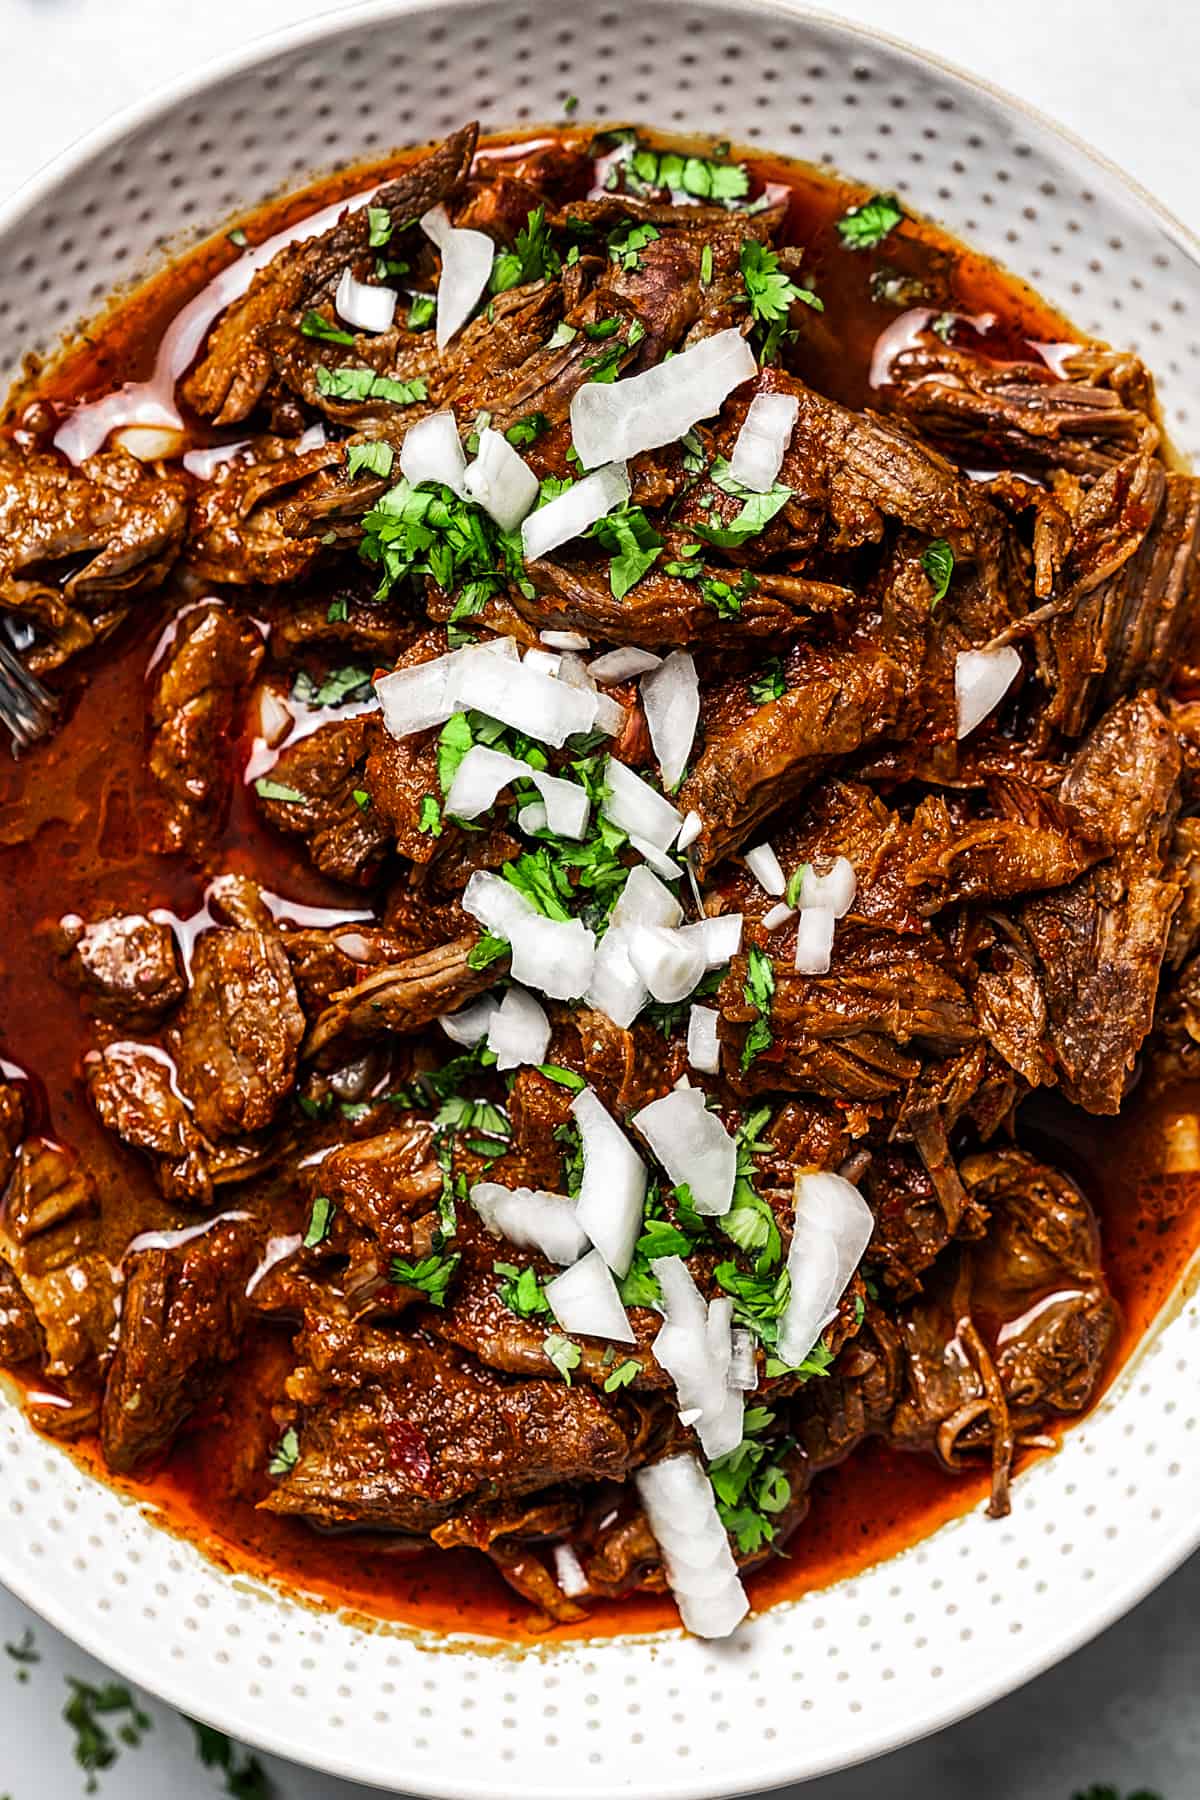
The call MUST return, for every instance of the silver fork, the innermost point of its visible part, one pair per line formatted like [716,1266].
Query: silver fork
[25,705]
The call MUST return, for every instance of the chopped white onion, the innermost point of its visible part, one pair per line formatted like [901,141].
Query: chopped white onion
[569,1572]
[483,773]
[778,915]
[495,903]
[570,513]
[564,640]
[832,1229]
[432,451]
[526,698]
[689,831]
[766,869]
[470,1024]
[721,937]
[501,481]
[584,1299]
[659,861]
[518,1031]
[645,901]
[612,421]
[681,1511]
[203,464]
[275,717]
[556,956]
[622,665]
[545,660]
[693,1346]
[668,962]
[533,818]
[424,694]
[835,890]
[310,439]
[703,1045]
[671,699]
[743,1362]
[616,989]
[636,807]
[613,1191]
[366,308]
[761,443]
[693,1147]
[531,1219]
[150,443]
[814,940]
[466,265]
[981,680]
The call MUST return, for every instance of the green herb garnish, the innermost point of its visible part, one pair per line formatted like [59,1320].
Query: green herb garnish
[866,225]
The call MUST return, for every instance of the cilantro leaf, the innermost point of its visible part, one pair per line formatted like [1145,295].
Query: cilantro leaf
[533,874]
[430,819]
[379,226]
[771,293]
[319,1221]
[867,224]
[564,1077]
[754,515]
[532,258]
[759,987]
[563,1354]
[938,564]
[286,1453]
[267,789]
[487,950]
[770,683]
[727,599]
[430,1276]
[339,687]
[622,1375]
[421,312]
[633,544]
[376,459]
[521,1291]
[316,325]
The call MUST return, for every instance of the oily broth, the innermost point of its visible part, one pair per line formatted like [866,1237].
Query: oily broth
[70,840]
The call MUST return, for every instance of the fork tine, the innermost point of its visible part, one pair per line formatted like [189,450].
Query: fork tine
[26,707]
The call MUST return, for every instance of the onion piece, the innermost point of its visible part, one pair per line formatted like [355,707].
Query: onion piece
[743,1362]
[693,1147]
[763,440]
[424,694]
[469,1025]
[613,1192]
[432,451]
[693,1346]
[645,901]
[564,640]
[573,511]
[496,903]
[544,660]
[366,308]
[584,1299]
[833,1226]
[203,464]
[671,700]
[814,940]
[622,665]
[569,1572]
[531,1219]
[659,861]
[616,989]
[981,680]
[533,818]
[703,1045]
[483,773]
[501,481]
[766,869]
[612,421]
[668,962]
[526,698]
[518,1031]
[556,956]
[778,915]
[835,890]
[466,265]
[681,1511]
[689,831]
[275,716]
[150,443]
[636,807]
[721,937]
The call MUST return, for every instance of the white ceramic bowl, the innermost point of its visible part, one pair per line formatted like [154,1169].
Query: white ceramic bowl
[916,1642]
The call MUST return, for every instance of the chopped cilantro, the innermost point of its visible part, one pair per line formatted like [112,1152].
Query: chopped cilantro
[361,799]
[770,682]
[379,226]
[428,530]
[562,335]
[521,1291]
[316,325]
[245,1777]
[487,950]
[626,244]
[376,459]
[633,544]
[602,328]
[237,236]
[564,1077]
[319,1221]
[943,326]
[431,1276]
[758,1300]
[758,989]
[750,1484]
[338,611]
[535,875]
[348,383]
[726,598]
[938,564]
[430,819]
[286,1453]
[754,515]
[606,365]
[695,175]
[706,266]
[570,104]
[87,1710]
[266,789]
[525,431]
[421,312]
[866,225]
[562,1353]
[771,293]
[532,258]
[795,883]
[750,1221]
[338,688]
[622,1375]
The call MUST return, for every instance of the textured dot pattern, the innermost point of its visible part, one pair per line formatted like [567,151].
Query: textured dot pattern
[980,1606]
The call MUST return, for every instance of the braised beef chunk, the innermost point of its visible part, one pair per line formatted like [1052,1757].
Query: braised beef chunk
[79,546]
[127,967]
[211,659]
[838,786]
[239,1032]
[182,1314]
[316,791]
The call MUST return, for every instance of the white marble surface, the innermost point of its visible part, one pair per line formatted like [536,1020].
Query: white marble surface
[1123,1711]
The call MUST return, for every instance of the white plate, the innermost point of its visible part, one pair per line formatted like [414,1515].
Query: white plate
[980,1607]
